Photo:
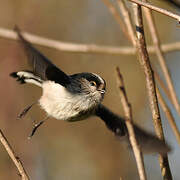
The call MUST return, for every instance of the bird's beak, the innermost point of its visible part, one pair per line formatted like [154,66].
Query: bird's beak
[102,91]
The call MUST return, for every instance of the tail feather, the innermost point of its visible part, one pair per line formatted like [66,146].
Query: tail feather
[150,143]
[18,78]
[27,77]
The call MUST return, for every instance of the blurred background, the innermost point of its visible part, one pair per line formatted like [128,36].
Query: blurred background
[86,149]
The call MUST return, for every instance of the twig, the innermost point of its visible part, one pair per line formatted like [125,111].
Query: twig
[163,86]
[116,15]
[128,114]
[150,85]
[84,48]
[169,115]
[14,158]
[157,9]
[141,47]
[69,47]
[128,21]
[161,58]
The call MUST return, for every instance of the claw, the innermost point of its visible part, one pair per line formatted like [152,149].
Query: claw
[24,112]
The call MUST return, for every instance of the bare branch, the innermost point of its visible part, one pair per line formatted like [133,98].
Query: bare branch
[161,58]
[163,86]
[66,46]
[84,48]
[150,85]
[128,21]
[14,158]
[118,18]
[169,115]
[128,115]
[157,9]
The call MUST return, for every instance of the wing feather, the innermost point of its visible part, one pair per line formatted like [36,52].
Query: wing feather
[41,65]
[147,141]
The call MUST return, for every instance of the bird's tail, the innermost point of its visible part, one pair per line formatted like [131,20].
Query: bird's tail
[27,77]
[150,143]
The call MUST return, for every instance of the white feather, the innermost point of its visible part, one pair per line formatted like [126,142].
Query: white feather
[30,78]
[63,105]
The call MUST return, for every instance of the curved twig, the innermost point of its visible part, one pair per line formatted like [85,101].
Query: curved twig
[84,48]
[14,158]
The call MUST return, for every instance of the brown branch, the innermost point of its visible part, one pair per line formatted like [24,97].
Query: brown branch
[14,158]
[161,58]
[116,15]
[84,48]
[128,120]
[163,86]
[128,21]
[165,107]
[157,9]
[150,85]
[169,115]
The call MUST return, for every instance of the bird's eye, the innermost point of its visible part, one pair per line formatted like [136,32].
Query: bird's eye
[92,83]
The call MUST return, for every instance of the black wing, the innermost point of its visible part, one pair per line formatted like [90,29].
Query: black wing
[148,142]
[112,121]
[42,67]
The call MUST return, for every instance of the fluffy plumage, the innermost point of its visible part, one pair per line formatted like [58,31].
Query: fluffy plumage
[76,97]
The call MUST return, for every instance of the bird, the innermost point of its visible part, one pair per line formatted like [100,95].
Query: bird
[76,97]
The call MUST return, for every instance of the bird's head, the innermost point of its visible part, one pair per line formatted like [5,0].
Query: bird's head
[89,84]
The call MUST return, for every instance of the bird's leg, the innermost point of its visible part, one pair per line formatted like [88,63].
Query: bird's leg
[24,112]
[36,126]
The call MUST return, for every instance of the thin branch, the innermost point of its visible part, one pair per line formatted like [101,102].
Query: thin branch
[14,158]
[157,9]
[169,115]
[150,85]
[66,46]
[128,21]
[84,48]
[163,86]
[128,114]
[118,18]
[161,58]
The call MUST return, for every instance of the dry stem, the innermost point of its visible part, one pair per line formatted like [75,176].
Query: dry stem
[84,48]
[150,84]
[163,86]
[161,58]
[14,158]
[128,114]
[127,20]
[157,9]
[116,15]
[169,115]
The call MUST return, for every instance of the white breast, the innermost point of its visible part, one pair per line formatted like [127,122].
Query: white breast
[61,104]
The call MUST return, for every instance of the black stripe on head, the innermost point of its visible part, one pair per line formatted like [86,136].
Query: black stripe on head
[90,77]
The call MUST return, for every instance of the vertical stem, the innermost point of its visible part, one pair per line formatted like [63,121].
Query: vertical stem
[116,15]
[161,58]
[150,85]
[129,123]
[168,115]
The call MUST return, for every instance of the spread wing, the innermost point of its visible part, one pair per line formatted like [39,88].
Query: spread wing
[42,67]
[148,142]
[113,122]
